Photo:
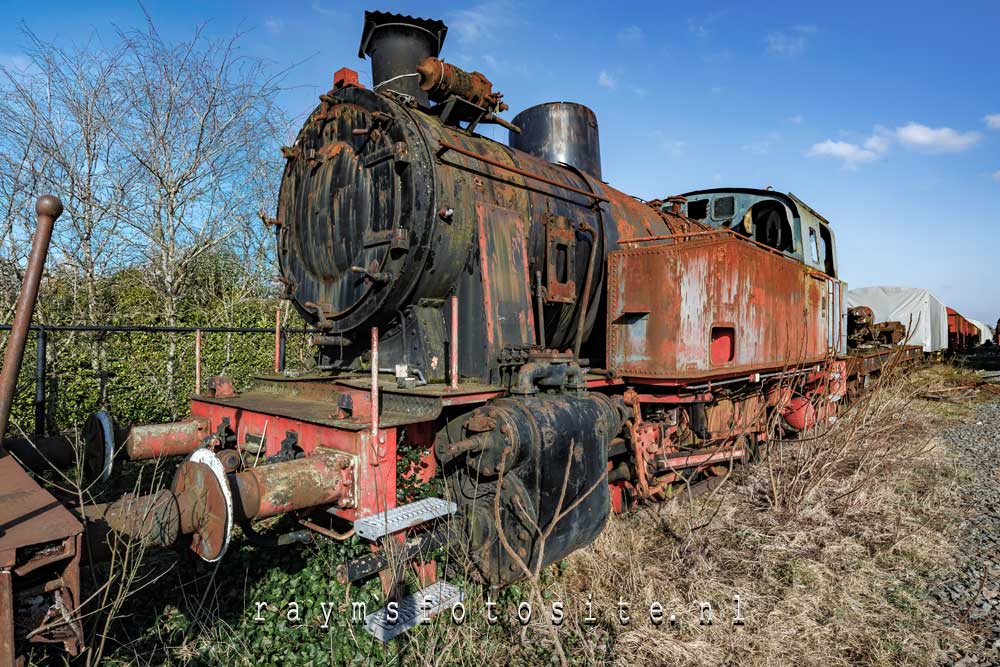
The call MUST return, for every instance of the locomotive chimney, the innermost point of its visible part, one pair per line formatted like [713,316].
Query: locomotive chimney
[560,132]
[396,44]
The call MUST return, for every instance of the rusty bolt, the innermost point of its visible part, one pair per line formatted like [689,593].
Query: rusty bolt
[343,462]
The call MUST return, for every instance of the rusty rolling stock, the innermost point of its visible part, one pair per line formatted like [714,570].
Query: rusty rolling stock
[962,334]
[553,348]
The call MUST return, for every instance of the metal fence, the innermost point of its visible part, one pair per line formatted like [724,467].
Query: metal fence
[44,331]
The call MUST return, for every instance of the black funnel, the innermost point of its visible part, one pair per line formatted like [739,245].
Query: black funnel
[560,132]
[396,44]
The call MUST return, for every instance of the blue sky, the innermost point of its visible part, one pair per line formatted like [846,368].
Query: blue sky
[885,117]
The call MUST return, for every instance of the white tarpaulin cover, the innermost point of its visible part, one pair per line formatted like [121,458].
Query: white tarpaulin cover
[985,333]
[922,313]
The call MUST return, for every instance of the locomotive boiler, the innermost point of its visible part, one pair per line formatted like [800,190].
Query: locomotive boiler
[545,347]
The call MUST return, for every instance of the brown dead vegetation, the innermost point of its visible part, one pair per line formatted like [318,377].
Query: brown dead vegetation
[829,543]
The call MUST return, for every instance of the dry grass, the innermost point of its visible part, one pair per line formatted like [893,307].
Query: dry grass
[829,543]
[833,574]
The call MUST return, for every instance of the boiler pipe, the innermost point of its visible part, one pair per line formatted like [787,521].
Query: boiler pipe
[48,208]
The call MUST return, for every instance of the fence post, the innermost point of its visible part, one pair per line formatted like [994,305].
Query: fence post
[41,346]
[278,365]
[197,361]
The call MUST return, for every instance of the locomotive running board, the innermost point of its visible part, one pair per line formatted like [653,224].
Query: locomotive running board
[402,517]
[412,610]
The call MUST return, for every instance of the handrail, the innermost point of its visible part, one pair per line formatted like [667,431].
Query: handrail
[517,170]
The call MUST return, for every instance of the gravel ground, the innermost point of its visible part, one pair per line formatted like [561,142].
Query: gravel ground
[971,592]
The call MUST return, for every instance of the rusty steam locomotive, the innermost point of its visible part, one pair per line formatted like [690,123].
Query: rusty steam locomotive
[546,347]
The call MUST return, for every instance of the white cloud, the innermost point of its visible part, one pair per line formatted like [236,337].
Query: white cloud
[797,119]
[641,92]
[273,25]
[633,33]
[996,176]
[477,23]
[878,142]
[993,121]
[850,153]
[791,43]
[912,135]
[936,139]
[606,80]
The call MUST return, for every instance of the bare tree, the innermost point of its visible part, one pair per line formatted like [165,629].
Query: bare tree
[202,126]
[58,120]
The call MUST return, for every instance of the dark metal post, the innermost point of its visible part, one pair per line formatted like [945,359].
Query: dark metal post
[281,355]
[48,209]
[41,345]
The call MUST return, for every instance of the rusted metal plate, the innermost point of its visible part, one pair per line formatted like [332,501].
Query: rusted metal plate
[711,306]
[503,260]
[28,513]
[31,517]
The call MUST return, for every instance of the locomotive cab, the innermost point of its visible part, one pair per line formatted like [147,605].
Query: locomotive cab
[781,221]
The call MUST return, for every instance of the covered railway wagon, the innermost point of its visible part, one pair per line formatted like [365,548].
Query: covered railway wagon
[545,347]
[923,316]
[986,332]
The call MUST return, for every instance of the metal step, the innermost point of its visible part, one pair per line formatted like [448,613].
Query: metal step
[413,609]
[405,516]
